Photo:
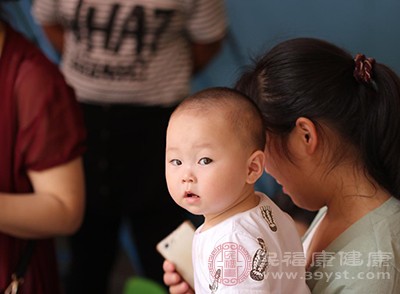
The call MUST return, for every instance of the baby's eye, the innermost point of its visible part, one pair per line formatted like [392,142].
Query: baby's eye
[205,161]
[175,162]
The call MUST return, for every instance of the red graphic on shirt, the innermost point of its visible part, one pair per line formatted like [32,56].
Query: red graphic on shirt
[234,262]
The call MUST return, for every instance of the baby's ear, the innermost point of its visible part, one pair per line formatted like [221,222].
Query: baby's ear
[255,166]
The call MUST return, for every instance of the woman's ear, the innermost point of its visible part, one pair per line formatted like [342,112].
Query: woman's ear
[306,133]
[255,166]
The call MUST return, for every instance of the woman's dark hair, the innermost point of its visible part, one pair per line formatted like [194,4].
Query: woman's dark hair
[312,78]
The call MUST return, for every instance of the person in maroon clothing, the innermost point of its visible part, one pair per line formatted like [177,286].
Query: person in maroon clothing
[42,139]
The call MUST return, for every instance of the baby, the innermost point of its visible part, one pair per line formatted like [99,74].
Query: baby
[214,155]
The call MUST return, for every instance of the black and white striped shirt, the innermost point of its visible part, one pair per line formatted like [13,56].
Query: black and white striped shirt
[132,51]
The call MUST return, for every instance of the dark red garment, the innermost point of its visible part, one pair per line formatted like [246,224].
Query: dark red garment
[41,126]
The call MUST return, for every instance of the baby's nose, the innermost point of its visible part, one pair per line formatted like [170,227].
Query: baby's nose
[188,178]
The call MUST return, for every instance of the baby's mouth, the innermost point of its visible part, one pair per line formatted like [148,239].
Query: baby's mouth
[189,194]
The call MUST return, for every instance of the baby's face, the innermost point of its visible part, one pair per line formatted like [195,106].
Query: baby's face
[206,162]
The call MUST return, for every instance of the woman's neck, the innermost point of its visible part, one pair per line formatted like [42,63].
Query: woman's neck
[352,208]
[356,195]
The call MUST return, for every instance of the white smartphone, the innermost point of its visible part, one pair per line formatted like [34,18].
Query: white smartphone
[177,248]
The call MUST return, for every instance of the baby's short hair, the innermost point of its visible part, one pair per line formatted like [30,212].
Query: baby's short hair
[243,114]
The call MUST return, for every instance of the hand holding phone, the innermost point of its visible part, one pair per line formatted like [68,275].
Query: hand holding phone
[177,248]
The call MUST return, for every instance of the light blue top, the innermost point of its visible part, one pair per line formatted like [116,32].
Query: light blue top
[363,259]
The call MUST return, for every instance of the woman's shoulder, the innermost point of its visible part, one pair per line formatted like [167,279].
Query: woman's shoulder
[382,226]
[27,56]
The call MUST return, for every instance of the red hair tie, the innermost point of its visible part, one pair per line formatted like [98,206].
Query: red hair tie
[363,70]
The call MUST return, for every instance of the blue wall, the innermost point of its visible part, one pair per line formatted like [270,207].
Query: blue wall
[371,27]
